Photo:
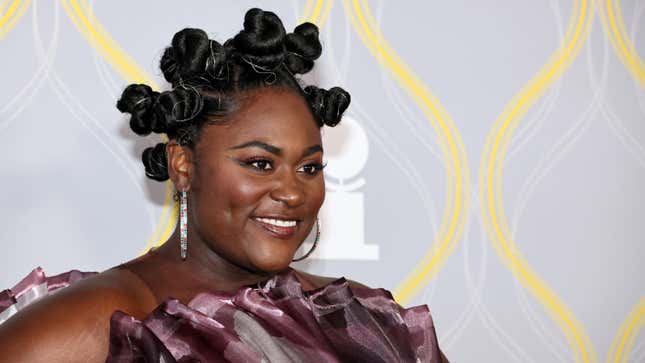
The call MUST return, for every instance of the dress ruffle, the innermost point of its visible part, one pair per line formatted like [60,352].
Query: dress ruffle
[33,287]
[277,321]
[274,321]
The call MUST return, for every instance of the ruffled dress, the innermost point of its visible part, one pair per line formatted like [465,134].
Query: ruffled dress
[273,321]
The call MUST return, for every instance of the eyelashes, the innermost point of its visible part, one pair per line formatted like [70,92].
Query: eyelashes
[266,165]
[315,168]
[260,164]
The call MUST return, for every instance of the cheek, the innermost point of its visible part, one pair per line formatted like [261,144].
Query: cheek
[225,196]
[244,194]
[234,193]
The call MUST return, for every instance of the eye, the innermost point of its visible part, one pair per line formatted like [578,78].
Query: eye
[312,169]
[260,164]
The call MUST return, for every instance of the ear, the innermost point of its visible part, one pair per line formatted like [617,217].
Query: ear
[180,165]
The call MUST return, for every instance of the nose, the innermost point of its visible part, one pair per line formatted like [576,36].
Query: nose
[288,190]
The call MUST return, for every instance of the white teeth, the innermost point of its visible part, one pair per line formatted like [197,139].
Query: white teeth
[277,222]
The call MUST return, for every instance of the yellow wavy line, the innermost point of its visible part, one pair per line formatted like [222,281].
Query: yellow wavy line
[325,13]
[444,227]
[457,175]
[436,254]
[9,18]
[490,181]
[87,24]
[306,13]
[439,251]
[614,25]
[12,9]
[615,30]
[623,342]
[316,13]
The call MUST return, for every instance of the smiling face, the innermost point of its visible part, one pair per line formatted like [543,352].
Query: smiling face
[257,183]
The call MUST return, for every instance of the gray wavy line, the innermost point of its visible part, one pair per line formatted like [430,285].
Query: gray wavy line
[450,335]
[537,321]
[617,126]
[639,8]
[376,134]
[403,162]
[410,121]
[454,332]
[543,167]
[533,125]
[113,88]
[476,306]
[531,128]
[639,350]
[508,344]
[31,87]
[528,130]
[295,7]
[78,111]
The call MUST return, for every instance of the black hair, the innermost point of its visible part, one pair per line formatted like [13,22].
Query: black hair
[207,78]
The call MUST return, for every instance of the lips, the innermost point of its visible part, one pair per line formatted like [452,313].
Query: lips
[279,228]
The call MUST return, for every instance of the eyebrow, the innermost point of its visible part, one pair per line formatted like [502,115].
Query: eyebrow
[276,150]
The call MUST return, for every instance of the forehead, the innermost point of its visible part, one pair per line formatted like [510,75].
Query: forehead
[275,116]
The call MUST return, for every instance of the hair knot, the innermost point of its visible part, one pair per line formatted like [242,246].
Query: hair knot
[155,162]
[327,105]
[139,100]
[215,65]
[261,43]
[179,106]
[303,48]
[191,56]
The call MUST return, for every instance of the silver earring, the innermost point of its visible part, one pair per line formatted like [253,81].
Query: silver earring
[313,247]
[183,223]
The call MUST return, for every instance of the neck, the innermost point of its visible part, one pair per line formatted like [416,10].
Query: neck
[204,265]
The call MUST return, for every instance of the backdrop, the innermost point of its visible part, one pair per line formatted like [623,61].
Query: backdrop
[490,164]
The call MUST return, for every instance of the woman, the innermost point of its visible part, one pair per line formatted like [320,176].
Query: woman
[245,155]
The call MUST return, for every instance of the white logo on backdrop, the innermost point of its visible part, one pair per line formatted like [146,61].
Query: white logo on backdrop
[342,219]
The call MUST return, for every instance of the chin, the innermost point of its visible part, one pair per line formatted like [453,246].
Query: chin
[272,267]
[272,261]
[270,254]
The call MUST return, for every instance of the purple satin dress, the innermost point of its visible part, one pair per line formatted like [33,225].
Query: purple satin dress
[275,321]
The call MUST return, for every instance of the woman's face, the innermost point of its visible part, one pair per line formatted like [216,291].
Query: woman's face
[258,184]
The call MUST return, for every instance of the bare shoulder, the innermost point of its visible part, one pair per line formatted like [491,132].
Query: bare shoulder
[311,281]
[72,325]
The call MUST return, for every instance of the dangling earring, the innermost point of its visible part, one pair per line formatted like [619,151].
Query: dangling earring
[183,224]
[313,247]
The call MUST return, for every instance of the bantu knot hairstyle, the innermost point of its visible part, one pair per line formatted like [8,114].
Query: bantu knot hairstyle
[327,105]
[207,77]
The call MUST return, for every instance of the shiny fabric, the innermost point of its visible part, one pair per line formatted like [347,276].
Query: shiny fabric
[275,321]
[33,287]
